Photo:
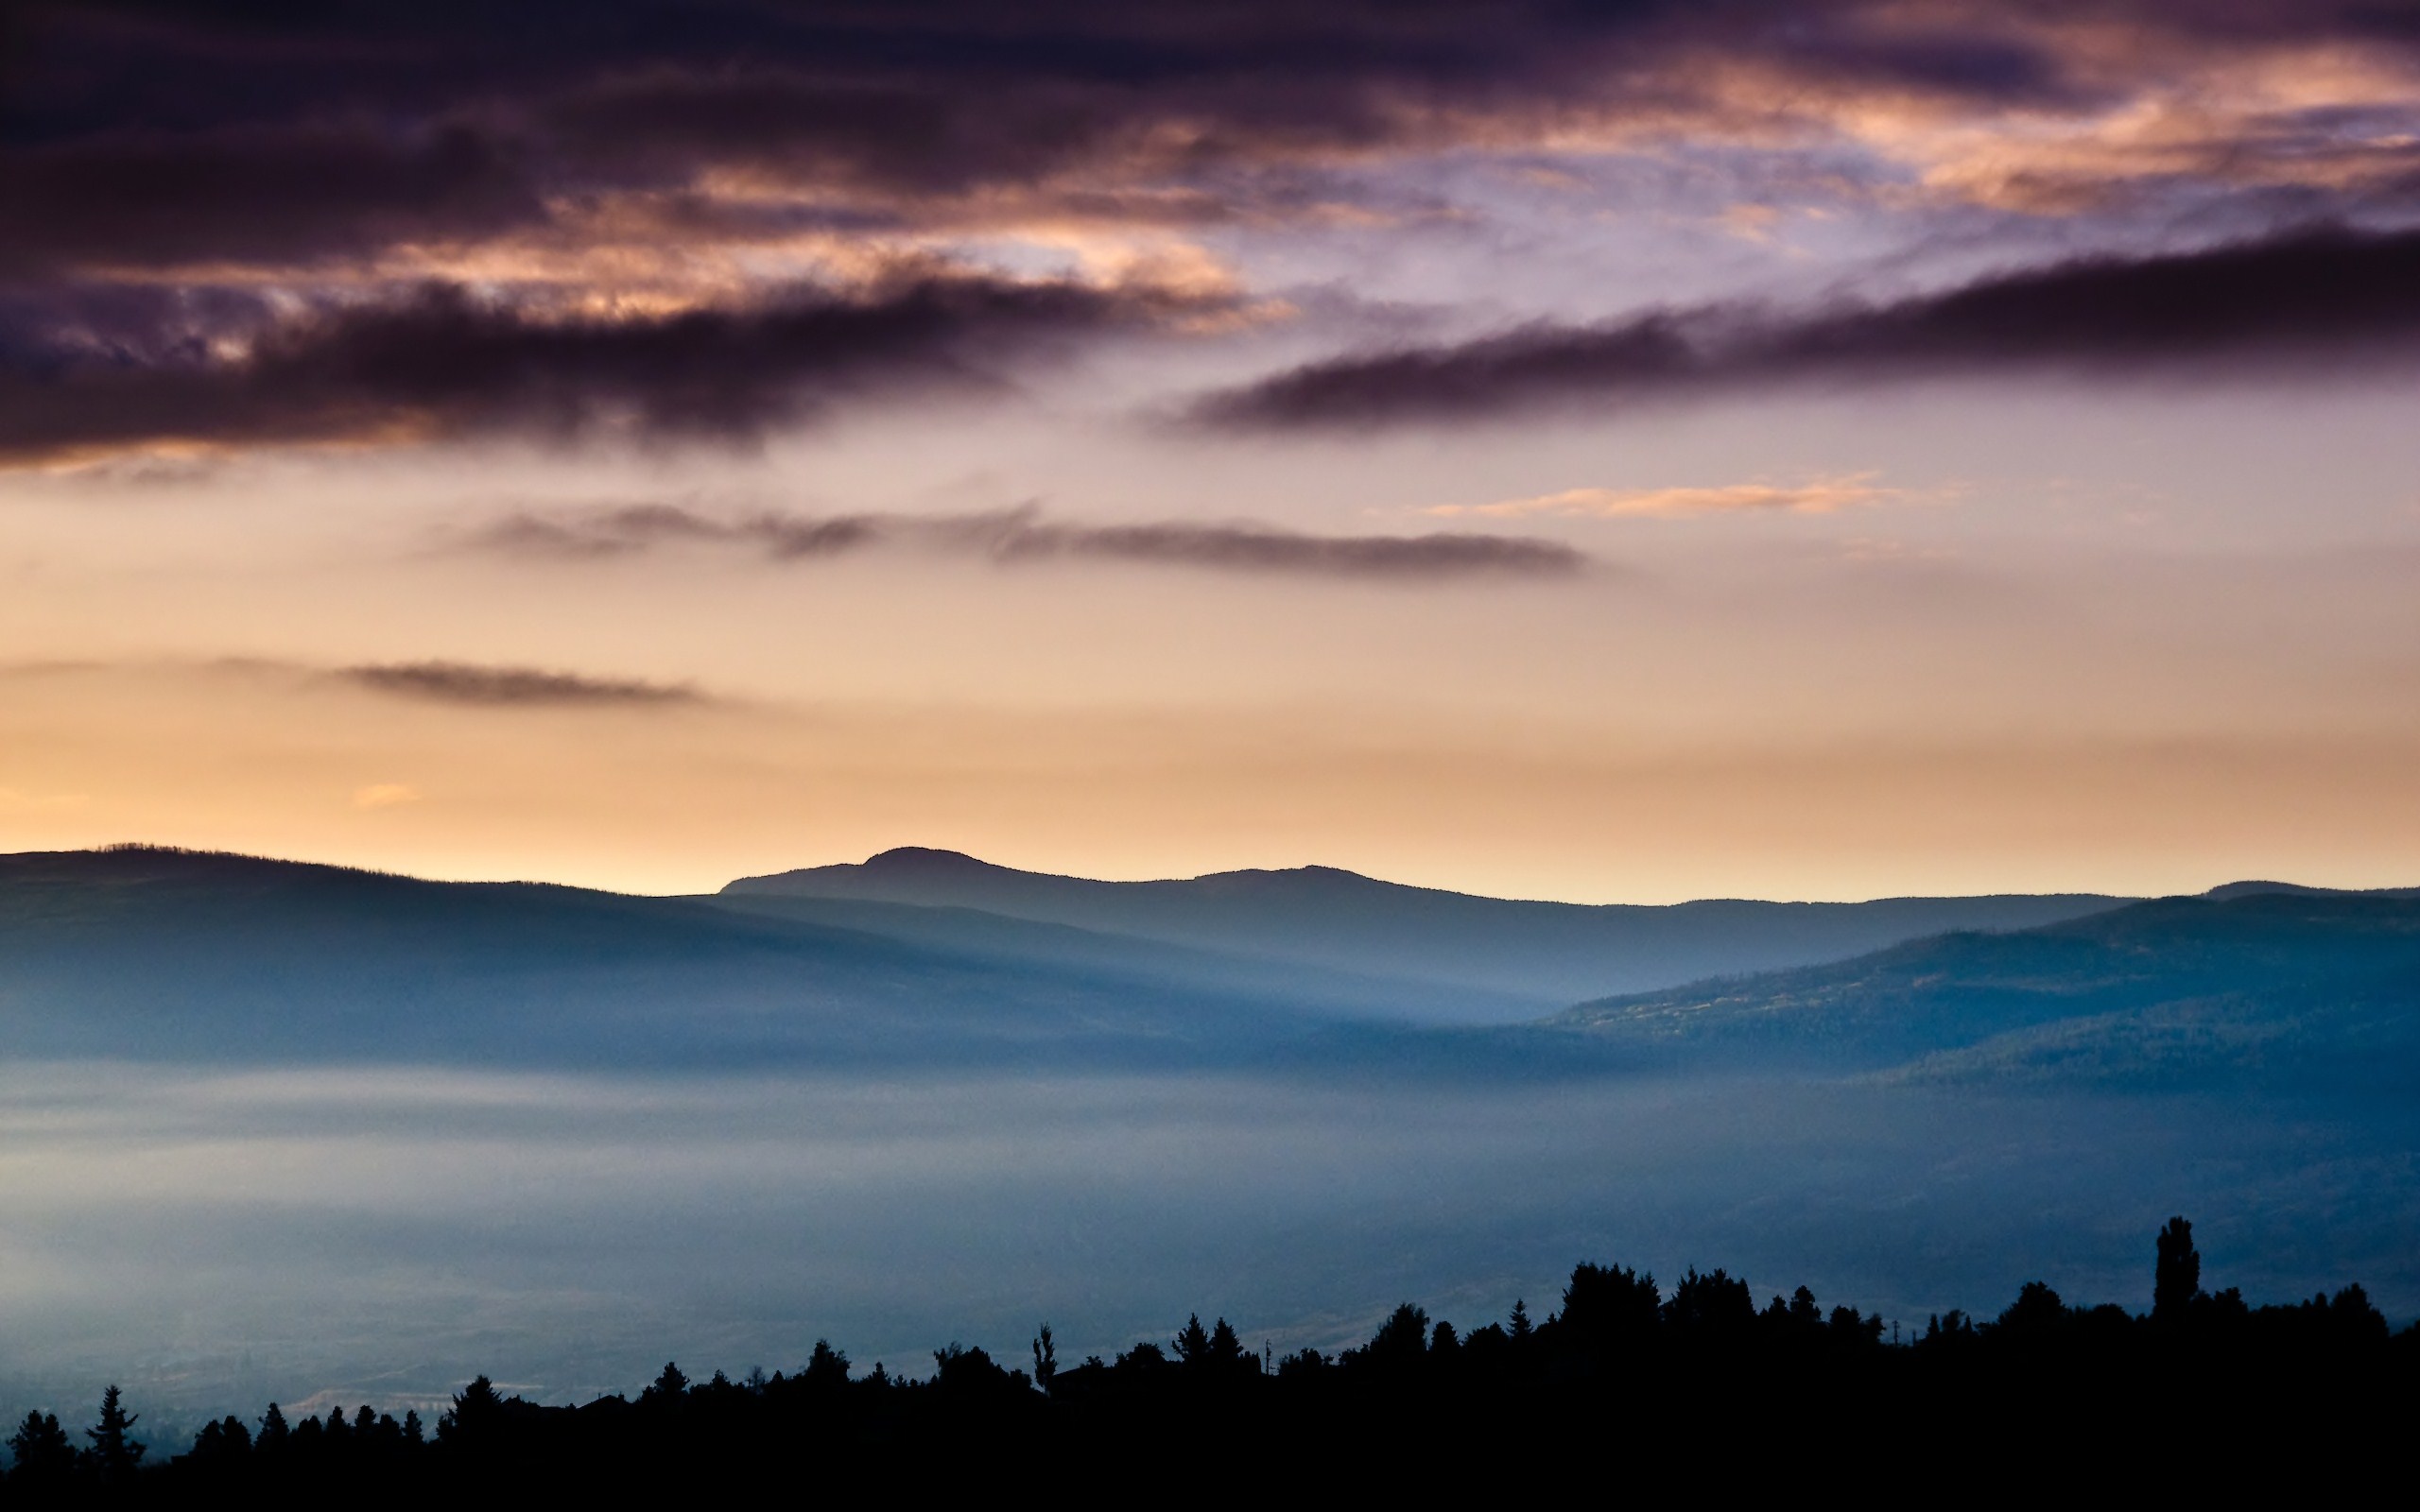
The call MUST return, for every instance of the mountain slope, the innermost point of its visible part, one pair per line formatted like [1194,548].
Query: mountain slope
[1543,954]
[2281,983]
[149,953]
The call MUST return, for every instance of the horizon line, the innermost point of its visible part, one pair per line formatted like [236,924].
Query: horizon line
[166,847]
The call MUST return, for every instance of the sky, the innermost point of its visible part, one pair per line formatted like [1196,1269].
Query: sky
[1614,451]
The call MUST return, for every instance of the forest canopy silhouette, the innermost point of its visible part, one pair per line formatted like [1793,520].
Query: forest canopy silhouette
[1623,1372]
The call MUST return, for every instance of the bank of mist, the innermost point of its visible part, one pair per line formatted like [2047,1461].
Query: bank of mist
[281,1133]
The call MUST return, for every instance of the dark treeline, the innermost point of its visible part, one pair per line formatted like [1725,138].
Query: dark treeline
[1634,1384]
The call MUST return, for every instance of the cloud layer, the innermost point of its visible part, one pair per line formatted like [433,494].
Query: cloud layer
[2308,300]
[238,225]
[293,135]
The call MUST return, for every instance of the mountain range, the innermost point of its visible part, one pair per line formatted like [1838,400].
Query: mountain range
[929,959]
[1518,958]
[2280,984]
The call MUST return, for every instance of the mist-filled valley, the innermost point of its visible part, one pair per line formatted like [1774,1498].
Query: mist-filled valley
[277,1132]
[1659,746]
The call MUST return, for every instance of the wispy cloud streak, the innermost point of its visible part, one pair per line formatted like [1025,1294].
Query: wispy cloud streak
[443,364]
[2325,296]
[463,683]
[1022,536]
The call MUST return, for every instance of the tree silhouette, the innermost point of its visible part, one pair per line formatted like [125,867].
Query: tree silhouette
[1226,1349]
[2176,1279]
[1191,1344]
[1046,1358]
[477,1415]
[2257,1381]
[1714,1304]
[828,1368]
[1606,1311]
[2036,1314]
[44,1454]
[1801,1313]
[1400,1344]
[113,1455]
[224,1442]
[1303,1363]
[972,1376]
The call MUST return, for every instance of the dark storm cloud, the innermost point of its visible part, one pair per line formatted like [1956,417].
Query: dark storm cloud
[440,364]
[511,687]
[148,135]
[256,195]
[2313,297]
[211,214]
[1010,537]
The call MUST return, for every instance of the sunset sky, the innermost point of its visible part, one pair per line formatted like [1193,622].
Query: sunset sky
[1617,451]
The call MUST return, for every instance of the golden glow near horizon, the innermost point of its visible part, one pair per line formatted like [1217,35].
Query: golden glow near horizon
[1663,483]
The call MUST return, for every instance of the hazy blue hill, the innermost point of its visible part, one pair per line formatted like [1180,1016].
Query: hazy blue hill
[178,957]
[1546,953]
[2284,982]
[165,954]
[2245,890]
[1007,938]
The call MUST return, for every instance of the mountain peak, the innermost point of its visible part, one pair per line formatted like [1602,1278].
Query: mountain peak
[918,858]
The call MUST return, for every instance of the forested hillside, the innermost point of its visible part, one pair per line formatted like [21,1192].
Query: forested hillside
[1631,1385]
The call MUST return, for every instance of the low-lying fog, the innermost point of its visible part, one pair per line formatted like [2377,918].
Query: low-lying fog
[214,1240]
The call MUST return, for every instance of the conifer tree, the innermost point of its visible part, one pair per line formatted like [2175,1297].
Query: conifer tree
[1226,1349]
[1192,1344]
[43,1454]
[113,1455]
[670,1385]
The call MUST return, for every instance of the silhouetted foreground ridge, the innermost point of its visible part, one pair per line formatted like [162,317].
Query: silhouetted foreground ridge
[1627,1385]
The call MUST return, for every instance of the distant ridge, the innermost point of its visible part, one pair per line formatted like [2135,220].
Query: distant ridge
[160,953]
[2267,984]
[1548,955]
[2249,889]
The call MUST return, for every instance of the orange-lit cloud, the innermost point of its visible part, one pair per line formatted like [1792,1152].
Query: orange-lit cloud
[1815,496]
